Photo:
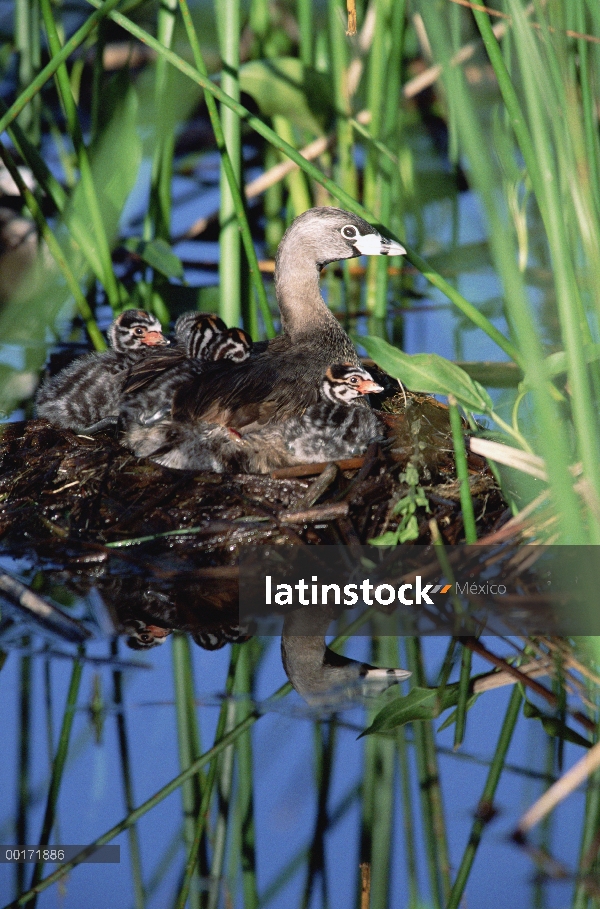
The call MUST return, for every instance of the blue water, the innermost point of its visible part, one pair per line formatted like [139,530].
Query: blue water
[91,799]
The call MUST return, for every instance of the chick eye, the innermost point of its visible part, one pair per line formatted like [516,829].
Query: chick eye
[138,331]
[353,380]
[349,232]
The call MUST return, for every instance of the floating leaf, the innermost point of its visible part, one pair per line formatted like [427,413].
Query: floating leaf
[430,373]
[288,88]
[157,254]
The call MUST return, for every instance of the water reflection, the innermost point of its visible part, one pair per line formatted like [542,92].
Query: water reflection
[145,616]
[320,675]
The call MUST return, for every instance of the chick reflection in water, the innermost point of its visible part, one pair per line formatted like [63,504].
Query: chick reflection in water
[321,676]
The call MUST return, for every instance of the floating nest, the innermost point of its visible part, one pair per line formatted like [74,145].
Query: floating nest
[161,546]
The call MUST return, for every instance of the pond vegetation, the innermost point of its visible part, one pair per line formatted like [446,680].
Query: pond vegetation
[470,134]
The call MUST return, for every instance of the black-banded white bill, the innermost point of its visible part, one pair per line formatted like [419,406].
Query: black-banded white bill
[376,245]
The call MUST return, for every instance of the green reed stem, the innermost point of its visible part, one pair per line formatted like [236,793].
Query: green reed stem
[134,843]
[436,842]
[468,310]
[462,472]
[588,853]
[157,221]
[408,818]
[187,738]
[245,796]
[226,765]
[24,758]
[259,20]
[221,736]
[388,128]
[316,870]
[85,170]
[379,784]
[48,705]
[372,192]
[464,691]
[487,797]
[383,149]
[346,169]
[161,179]
[296,181]
[273,205]
[233,184]
[27,45]
[230,259]
[588,103]
[96,102]
[57,772]
[163,864]
[544,840]
[377,77]
[305,24]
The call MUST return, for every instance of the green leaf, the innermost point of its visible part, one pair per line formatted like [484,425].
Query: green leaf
[403,505]
[420,704]
[409,530]
[430,373]
[157,254]
[494,374]
[389,538]
[554,726]
[288,88]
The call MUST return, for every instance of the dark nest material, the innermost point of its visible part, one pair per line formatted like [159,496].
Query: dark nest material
[160,546]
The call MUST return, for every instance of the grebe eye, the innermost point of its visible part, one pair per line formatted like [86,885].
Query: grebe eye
[353,380]
[139,330]
[349,232]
